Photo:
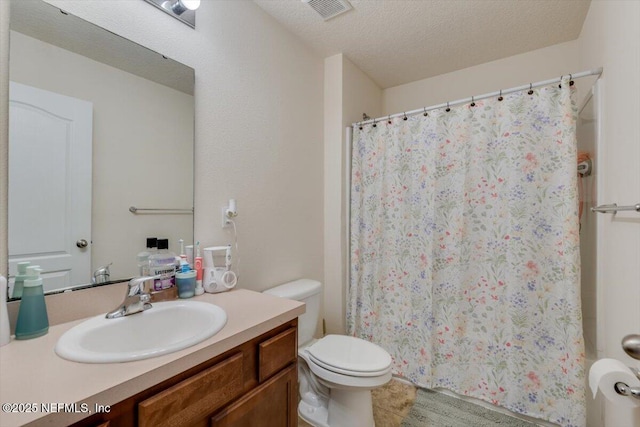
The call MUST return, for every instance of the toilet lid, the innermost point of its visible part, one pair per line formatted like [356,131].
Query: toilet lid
[345,354]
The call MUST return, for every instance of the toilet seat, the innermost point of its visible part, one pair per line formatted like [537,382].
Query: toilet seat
[342,371]
[350,356]
[333,379]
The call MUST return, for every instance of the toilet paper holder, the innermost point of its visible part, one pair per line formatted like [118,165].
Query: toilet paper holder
[625,390]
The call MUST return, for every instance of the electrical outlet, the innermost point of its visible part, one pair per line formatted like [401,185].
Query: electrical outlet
[225,218]
[228,212]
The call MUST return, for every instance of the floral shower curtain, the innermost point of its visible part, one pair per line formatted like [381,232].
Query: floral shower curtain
[464,251]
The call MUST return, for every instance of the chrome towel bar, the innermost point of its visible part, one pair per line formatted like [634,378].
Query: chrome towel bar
[135,210]
[613,208]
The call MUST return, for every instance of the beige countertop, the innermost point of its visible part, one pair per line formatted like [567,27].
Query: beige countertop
[32,374]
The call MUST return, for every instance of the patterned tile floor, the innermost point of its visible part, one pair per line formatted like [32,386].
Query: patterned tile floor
[391,404]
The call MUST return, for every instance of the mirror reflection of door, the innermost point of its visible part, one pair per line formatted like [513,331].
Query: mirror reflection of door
[50,149]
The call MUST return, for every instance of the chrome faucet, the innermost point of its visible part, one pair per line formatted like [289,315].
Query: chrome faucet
[101,275]
[137,298]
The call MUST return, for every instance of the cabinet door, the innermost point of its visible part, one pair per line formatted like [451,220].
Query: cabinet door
[276,353]
[191,401]
[272,404]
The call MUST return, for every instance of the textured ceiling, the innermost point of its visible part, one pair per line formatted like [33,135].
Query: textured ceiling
[400,41]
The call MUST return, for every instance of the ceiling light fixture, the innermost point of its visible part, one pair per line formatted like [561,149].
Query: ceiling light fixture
[180,6]
[182,10]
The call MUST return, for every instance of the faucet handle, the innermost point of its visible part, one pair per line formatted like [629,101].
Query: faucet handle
[136,285]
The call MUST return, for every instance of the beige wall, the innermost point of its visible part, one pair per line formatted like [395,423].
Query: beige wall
[128,148]
[348,93]
[611,38]
[333,302]
[258,128]
[542,64]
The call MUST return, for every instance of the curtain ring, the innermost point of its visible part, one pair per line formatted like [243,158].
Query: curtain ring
[360,127]
[560,85]
[473,102]
[448,108]
[500,98]
[374,124]
[530,89]
[389,119]
[405,116]
[425,112]
[570,80]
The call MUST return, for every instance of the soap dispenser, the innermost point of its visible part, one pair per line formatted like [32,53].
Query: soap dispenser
[32,316]
[19,279]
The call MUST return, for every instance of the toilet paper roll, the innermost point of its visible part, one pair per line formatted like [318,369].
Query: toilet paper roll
[603,375]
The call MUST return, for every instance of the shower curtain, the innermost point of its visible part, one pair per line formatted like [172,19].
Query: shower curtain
[464,250]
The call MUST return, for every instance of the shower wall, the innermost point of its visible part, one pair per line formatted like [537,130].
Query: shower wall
[586,133]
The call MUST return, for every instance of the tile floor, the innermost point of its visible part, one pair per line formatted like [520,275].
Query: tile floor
[391,404]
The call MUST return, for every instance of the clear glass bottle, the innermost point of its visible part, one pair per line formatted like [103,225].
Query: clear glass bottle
[32,316]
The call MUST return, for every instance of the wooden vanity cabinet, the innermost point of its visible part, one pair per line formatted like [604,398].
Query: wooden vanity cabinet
[254,384]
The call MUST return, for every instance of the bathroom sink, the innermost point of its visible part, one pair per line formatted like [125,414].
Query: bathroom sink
[165,328]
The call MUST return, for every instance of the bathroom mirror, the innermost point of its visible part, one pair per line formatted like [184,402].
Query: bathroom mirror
[97,124]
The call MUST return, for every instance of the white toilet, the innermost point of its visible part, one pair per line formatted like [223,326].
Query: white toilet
[336,373]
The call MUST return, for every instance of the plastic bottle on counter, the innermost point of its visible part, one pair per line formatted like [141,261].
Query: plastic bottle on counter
[32,316]
[163,263]
[143,257]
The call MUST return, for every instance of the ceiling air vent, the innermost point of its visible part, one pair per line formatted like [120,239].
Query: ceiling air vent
[329,8]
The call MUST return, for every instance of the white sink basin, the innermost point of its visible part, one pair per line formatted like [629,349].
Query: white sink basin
[165,328]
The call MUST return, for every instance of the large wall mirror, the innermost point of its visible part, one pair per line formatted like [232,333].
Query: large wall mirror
[97,125]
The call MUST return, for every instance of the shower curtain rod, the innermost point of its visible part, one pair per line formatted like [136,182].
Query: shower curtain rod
[596,71]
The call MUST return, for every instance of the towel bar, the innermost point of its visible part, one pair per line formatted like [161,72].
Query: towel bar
[613,208]
[135,210]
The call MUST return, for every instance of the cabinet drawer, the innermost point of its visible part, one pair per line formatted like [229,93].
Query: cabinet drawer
[276,353]
[272,404]
[194,398]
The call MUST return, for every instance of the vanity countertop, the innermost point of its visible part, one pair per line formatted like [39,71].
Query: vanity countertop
[32,374]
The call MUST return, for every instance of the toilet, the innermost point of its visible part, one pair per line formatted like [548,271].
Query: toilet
[336,373]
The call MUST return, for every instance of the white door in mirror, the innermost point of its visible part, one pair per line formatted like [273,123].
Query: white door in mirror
[50,148]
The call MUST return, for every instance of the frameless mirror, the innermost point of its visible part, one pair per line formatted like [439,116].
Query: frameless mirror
[97,124]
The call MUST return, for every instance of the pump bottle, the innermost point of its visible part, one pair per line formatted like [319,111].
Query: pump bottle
[32,316]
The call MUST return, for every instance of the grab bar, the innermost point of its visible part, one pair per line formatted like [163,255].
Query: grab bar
[613,208]
[135,210]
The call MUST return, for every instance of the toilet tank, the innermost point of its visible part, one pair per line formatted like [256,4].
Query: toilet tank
[307,291]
